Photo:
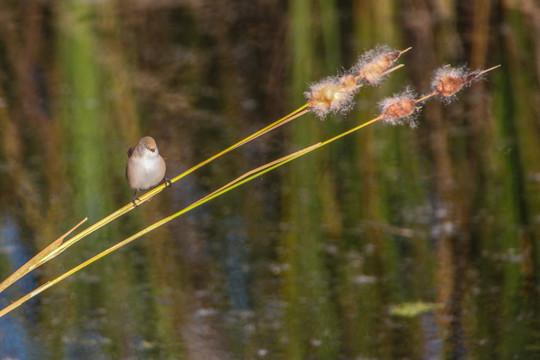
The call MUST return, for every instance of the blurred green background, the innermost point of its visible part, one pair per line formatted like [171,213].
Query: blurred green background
[394,243]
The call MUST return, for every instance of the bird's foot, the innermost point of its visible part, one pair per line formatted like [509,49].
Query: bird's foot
[134,202]
[168,183]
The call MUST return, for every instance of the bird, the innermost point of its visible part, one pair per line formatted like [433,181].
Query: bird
[145,167]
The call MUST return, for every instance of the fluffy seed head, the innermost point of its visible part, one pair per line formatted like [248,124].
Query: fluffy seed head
[447,80]
[331,95]
[371,66]
[348,82]
[399,109]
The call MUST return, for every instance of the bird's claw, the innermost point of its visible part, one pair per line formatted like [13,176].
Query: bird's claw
[168,183]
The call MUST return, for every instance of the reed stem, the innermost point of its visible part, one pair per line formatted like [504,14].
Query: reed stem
[59,245]
[250,175]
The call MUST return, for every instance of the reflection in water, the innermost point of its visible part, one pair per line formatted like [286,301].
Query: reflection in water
[16,336]
[392,243]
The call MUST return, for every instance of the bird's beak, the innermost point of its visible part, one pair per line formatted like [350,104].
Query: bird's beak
[152,149]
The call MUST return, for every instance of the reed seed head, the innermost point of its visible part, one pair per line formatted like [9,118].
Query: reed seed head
[333,94]
[348,83]
[372,65]
[399,109]
[447,80]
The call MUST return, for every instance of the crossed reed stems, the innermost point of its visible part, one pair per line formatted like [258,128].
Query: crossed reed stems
[330,95]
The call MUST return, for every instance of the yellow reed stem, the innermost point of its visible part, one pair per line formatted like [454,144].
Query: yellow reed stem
[235,183]
[491,68]
[425,97]
[404,51]
[351,131]
[392,69]
[263,131]
[52,252]
[36,260]
[222,190]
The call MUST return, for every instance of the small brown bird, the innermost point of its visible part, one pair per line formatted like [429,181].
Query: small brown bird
[145,167]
